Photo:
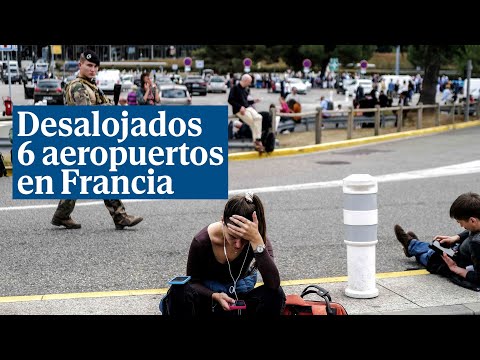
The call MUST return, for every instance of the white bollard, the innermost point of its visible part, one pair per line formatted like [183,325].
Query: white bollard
[331,95]
[360,218]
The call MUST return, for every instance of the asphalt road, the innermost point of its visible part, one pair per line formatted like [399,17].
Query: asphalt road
[305,224]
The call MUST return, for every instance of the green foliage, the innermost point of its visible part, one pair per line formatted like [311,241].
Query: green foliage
[472,52]
[316,53]
[430,58]
[420,55]
[353,53]
[385,48]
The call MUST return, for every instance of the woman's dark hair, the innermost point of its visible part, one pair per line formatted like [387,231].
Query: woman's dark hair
[245,205]
[466,206]
[142,79]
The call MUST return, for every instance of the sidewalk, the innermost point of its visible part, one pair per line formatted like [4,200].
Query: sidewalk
[414,292]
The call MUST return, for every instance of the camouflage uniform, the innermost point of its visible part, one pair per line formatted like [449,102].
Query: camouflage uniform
[82,91]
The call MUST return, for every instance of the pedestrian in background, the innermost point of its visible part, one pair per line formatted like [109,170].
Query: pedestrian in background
[132,96]
[238,99]
[147,93]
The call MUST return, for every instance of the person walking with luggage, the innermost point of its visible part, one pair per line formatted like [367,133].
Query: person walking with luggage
[223,261]
[84,91]
[238,99]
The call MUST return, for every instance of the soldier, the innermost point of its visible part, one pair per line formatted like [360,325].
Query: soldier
[83,91]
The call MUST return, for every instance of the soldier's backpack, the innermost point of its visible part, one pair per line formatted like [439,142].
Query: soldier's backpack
[297,305]
[3,169]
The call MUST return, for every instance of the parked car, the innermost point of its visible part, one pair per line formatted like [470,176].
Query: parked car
[308,84]
[39,75]
[41,66]
[174,95]
[292,82]
[351,89]
[50,90]
[164,80]
[14,76]
[70,66]
[196,84]
[299,84]
[106,80]
[127,82]
[217,84]
[342,85]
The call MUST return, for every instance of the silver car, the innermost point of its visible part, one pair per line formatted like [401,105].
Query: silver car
[217,84]
[174,95]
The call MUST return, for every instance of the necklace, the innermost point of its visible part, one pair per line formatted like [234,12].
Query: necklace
[233,288]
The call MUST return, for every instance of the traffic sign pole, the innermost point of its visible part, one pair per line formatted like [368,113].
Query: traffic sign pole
[363,66]
[247,62]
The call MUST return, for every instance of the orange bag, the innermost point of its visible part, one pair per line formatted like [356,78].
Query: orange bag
[296,305]
[297,108]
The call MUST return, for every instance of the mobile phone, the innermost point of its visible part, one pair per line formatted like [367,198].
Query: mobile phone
[179,280]
[238,305]
[439,248]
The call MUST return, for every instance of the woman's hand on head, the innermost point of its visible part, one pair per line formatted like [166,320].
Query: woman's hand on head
[244,228]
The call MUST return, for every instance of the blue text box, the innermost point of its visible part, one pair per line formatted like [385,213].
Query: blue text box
[127,152]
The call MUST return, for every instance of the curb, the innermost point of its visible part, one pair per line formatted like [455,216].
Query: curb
[433,310]
[345,143]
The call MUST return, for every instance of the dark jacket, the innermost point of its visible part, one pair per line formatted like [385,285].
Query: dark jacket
[468,254]
[238,98]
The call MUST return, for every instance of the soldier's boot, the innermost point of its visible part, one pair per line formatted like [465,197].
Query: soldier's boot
[68,223]
[128,220]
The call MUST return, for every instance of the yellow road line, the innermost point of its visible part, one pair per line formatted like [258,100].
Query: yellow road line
[103,294]
[354,142]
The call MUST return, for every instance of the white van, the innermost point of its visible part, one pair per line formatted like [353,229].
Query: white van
[351,88]
[106,80]
[13,64]
[395,78]
[474,87]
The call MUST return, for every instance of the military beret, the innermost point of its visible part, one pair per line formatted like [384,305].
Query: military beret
[92,57]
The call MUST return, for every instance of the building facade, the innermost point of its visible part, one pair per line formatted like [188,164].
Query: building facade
[105,52]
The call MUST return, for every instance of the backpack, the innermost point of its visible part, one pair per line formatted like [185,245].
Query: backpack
[3,169]
[329,105]
[296,305]
[244,132]
[179,301]
[268,141]
[268,136]
[297,108]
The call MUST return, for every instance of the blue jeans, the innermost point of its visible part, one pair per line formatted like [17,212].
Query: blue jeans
[420,250]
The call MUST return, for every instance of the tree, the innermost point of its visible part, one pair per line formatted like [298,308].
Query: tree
[431,58]
[316,53]
[353,53]
[226,58]
[472,52]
